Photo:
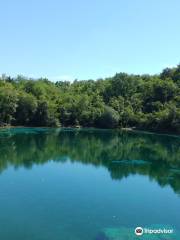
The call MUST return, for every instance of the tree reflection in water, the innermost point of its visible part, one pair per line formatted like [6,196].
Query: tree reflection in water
[121,152]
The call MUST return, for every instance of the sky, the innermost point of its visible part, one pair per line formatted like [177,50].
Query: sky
[88,39]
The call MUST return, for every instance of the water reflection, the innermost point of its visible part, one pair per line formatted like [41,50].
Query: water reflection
[122,153]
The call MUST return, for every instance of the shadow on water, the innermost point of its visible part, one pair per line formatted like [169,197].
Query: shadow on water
[122,153]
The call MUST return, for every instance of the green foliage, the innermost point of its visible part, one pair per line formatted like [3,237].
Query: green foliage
[8,103]
[26,108]
[140,101]
[108,119]
[46,115]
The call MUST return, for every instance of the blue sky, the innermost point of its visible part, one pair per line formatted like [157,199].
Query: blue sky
[82,39]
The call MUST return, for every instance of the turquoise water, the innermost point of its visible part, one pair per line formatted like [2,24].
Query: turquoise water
[65,184]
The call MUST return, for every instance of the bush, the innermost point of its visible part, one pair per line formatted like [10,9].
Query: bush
[108,119]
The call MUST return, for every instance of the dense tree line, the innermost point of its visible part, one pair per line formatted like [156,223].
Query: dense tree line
[149,102]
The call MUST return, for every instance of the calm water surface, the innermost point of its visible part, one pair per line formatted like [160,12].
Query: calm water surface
[65,184]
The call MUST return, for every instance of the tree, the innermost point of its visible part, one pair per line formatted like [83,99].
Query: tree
[124,100]
[46,115]
[26,108]
[108,119]
[8,104]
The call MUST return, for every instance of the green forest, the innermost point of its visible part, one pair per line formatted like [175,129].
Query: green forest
[147,102]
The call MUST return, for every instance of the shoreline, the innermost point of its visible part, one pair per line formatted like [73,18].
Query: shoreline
[128,129]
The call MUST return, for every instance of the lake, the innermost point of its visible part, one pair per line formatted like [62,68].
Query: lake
[87,184]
